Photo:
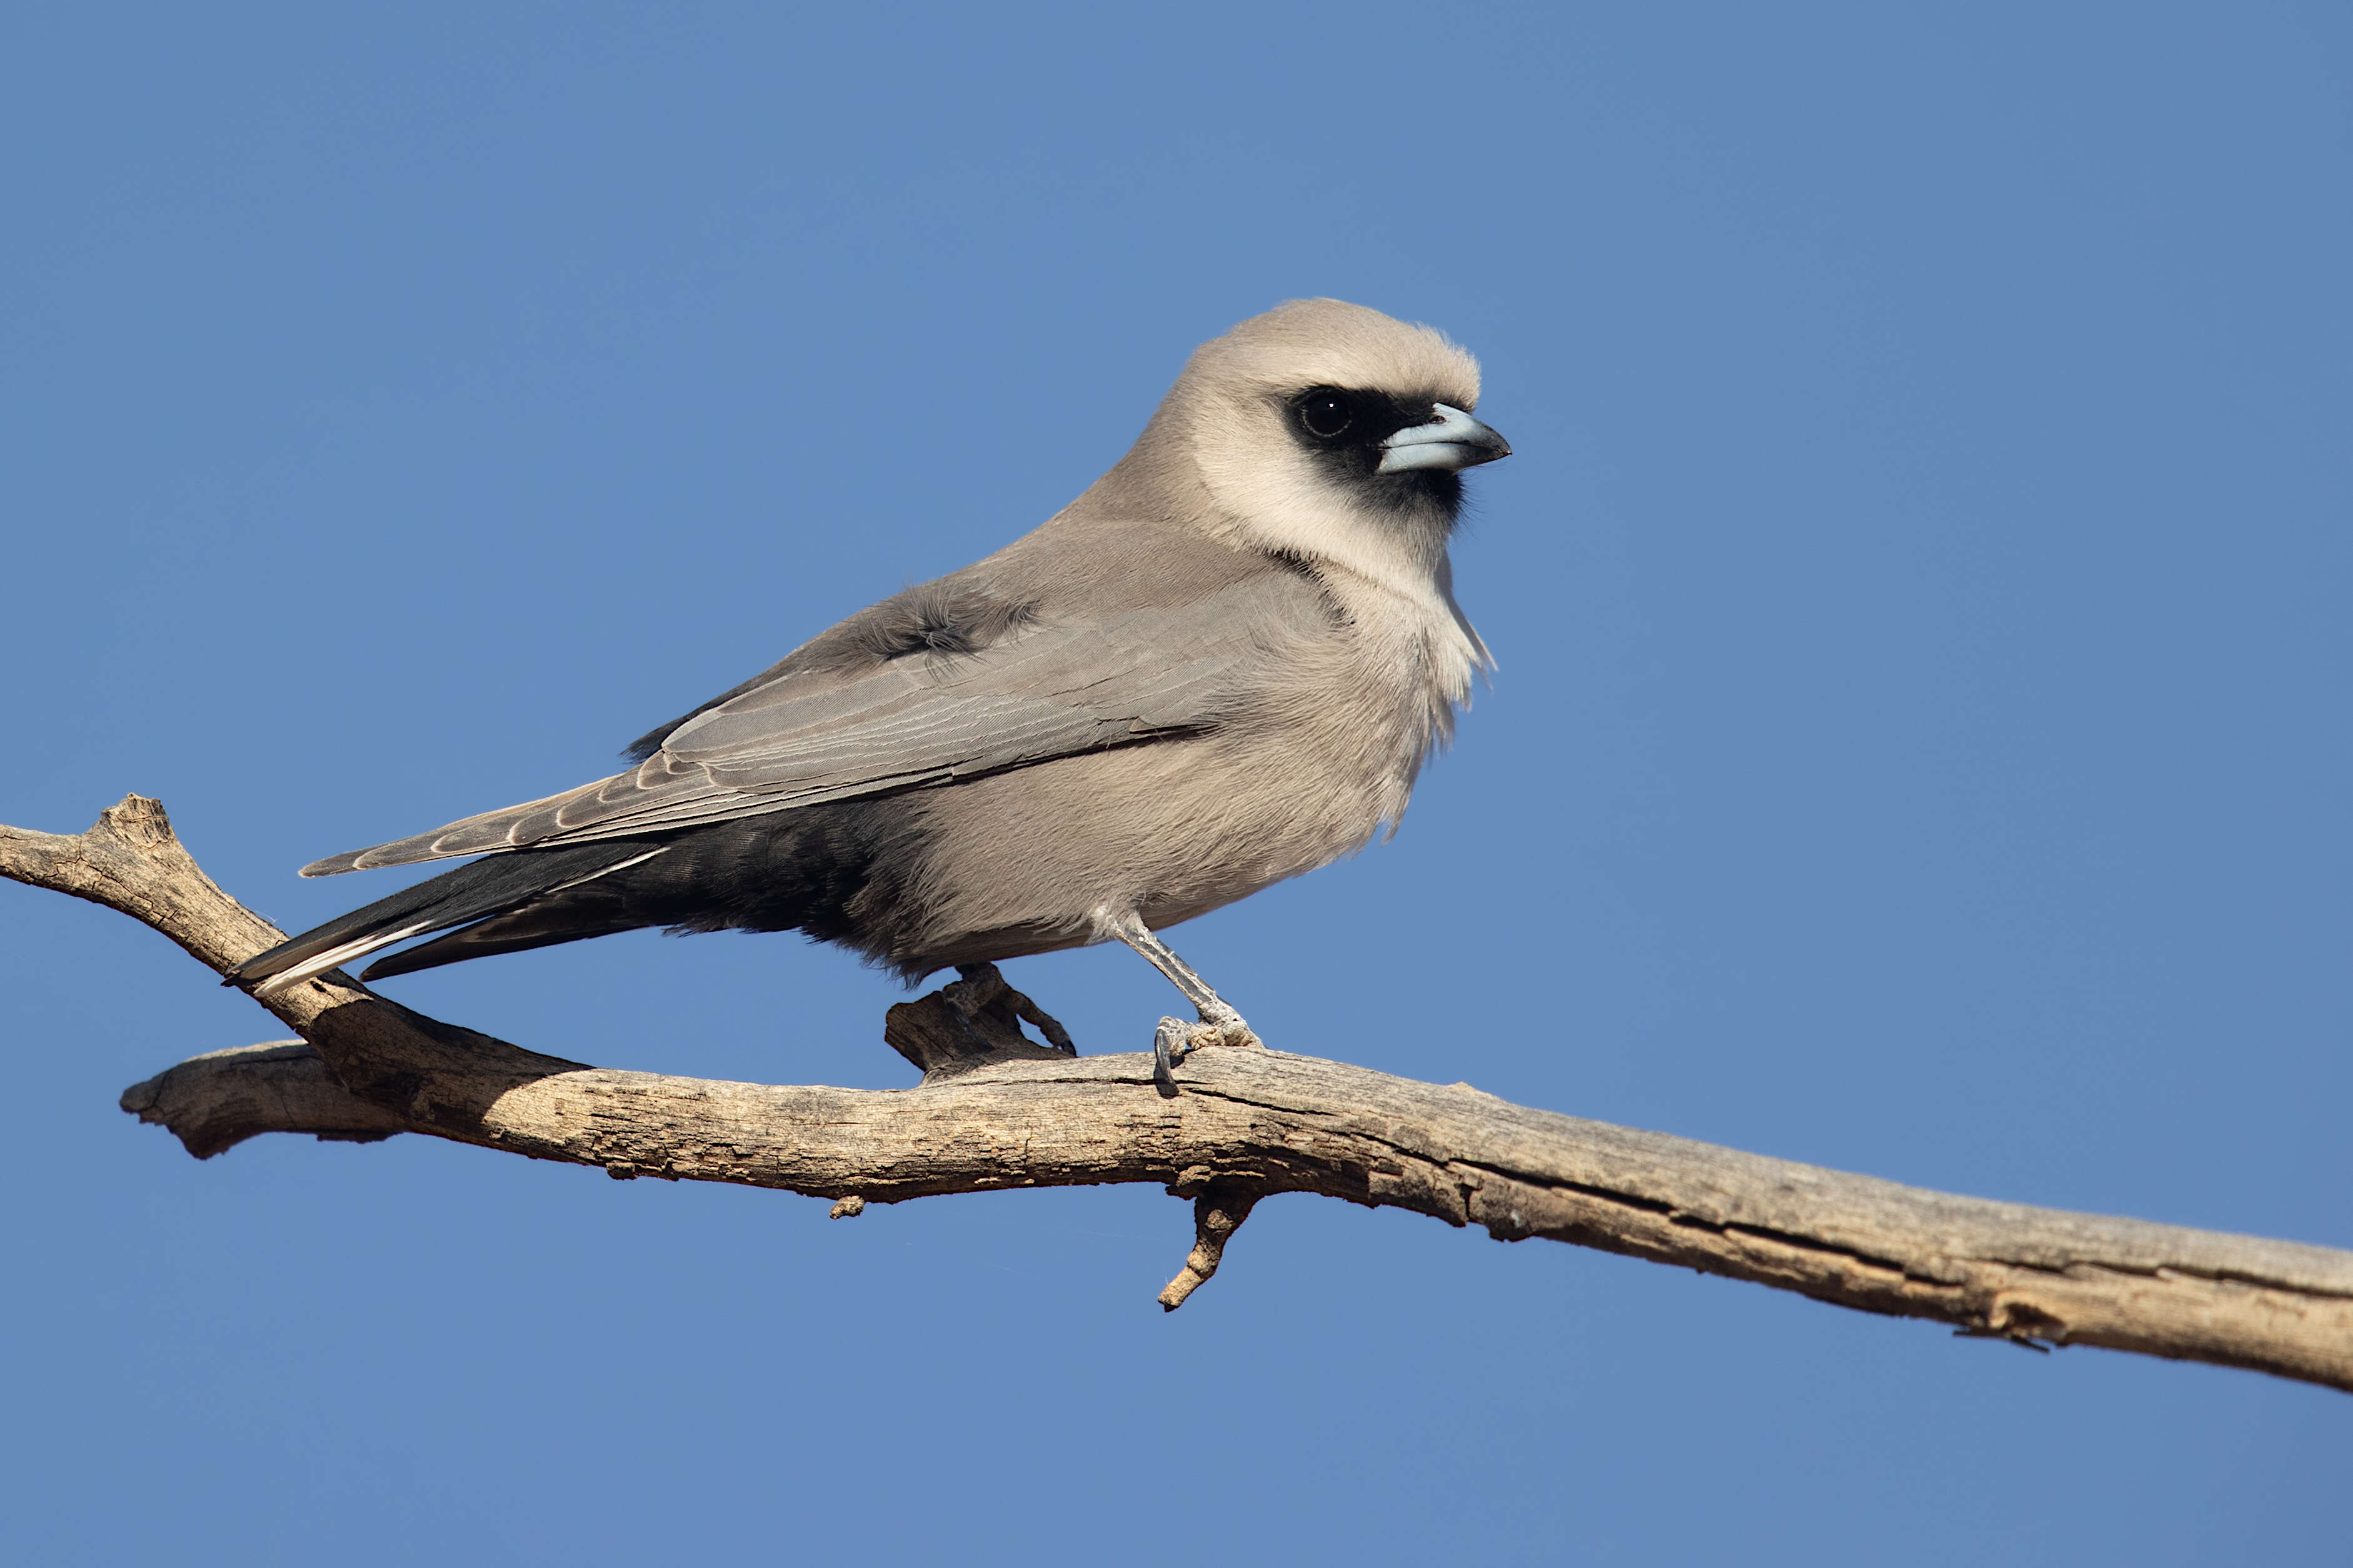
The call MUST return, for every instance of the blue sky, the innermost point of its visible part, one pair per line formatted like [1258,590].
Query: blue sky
[1920,747]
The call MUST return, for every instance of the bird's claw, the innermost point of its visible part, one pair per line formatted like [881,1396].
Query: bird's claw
[1176,1040]
[1171,1044]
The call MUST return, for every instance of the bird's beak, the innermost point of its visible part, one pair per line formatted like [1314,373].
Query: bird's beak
[1452,440]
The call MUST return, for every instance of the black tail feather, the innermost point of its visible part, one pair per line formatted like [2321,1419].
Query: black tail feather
[473,890]
[565,916]
[833,870]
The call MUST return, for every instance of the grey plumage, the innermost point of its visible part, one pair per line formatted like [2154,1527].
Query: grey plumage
[1223,664]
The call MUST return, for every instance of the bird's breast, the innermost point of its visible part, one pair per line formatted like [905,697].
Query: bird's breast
[1318,754]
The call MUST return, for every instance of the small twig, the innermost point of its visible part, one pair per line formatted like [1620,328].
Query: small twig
[211,1102]
[1217,1215]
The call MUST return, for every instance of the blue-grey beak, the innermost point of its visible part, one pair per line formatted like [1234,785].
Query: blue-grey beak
[1452,440]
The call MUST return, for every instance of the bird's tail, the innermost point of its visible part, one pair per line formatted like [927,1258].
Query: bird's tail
[487,886]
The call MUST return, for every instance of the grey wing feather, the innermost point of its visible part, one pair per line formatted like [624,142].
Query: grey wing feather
[1043,691]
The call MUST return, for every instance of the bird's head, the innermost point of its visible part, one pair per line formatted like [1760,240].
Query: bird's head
[1332,432]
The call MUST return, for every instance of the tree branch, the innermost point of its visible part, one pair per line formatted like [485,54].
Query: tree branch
[1248,1124]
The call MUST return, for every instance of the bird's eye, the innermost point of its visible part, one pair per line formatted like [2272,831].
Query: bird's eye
[1326,415]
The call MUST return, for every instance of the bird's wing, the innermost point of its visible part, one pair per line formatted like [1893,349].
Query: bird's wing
[1039,691]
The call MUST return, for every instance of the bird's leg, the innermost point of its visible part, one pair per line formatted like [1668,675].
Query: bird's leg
[1175,1040]
[1215,1013]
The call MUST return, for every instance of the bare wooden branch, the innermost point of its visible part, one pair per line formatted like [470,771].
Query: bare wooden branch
[1248,1124]
[218,1101]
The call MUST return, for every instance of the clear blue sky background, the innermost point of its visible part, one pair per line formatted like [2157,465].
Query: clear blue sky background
[1921,747]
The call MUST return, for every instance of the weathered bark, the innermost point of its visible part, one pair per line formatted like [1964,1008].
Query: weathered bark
[1248,1124]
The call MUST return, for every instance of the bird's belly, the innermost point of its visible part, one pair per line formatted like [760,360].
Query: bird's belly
[1021,862]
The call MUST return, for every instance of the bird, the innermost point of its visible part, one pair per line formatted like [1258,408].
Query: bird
[1223,665]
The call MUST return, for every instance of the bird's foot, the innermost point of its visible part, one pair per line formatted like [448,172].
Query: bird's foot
[1221,1026]
[971,1022]
[1045,1023]
[1176,1040]
[1171,1044]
